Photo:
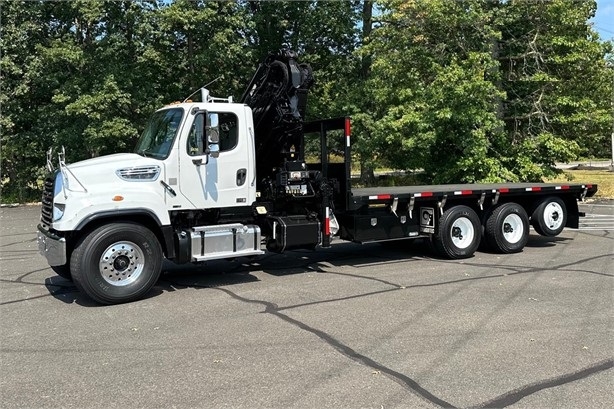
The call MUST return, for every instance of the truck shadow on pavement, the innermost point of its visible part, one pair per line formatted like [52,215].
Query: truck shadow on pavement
[536,241]
[64,290]
[221,273]
[217,274]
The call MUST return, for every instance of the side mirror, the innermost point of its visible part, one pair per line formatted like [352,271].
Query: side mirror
[212,134]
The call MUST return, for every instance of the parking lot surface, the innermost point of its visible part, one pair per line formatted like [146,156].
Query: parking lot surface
[371,326]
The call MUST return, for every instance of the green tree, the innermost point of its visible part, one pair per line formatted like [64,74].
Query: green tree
[201,41]
[363,107]
[555,77]
[485,91]
[26,121]
[434,81]
[107,74]
[325,34]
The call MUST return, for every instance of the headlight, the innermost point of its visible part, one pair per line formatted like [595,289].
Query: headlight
[58,184]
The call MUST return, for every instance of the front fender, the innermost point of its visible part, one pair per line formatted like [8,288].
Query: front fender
[118,213]
[82,208]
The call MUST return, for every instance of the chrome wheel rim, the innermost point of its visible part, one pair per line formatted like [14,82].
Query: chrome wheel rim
[121,263]
[512,228]
[462,232]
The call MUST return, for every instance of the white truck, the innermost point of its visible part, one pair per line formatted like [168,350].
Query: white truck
[216,179]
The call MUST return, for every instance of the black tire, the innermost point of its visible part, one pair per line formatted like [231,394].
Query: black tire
[63,271]
[507,228]
[458,233]
[549,217]
[117,263]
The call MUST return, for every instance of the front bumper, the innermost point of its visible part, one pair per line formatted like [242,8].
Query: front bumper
[52,247]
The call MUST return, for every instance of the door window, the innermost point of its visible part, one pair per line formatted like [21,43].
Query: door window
[222,123]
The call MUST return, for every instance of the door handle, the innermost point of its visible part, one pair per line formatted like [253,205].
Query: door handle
[241,176]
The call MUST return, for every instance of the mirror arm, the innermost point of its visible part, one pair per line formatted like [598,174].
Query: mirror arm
[204,135]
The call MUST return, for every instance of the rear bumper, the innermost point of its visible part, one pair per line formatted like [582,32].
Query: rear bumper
[52,247]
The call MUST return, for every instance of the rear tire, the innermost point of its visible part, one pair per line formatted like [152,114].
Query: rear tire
[507,228]
[458,233]
[549,217]
[117,263]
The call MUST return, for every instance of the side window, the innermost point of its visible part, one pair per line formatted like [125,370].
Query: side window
[224,123]
[229,135]
[196,142]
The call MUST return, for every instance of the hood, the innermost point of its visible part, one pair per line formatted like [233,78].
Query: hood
[117,159]
[103,170]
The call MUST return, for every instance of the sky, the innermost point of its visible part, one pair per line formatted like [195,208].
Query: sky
[604,19]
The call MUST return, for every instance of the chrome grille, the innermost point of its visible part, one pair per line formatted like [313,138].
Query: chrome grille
[47,201]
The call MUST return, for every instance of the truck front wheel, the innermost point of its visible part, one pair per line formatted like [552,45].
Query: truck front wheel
[116,263]
[458,233]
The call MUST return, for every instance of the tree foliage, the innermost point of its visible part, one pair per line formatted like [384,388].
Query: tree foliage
[468,90]
[486,91]
[434,82]
[554,75]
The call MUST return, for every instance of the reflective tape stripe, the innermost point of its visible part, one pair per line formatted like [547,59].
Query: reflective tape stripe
[348,129]
[327,222]
[379,197]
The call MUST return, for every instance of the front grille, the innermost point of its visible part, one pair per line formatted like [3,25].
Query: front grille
[47,201]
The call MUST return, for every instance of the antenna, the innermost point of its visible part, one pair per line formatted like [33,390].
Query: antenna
[204,86]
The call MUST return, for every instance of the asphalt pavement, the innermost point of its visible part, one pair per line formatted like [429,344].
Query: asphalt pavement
[352,326]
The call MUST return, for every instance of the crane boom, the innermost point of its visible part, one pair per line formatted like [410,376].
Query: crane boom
[277,95]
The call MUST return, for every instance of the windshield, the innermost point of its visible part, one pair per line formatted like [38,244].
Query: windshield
[159,134]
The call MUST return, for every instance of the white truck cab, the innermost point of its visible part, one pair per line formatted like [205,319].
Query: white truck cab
[174,167]
[191,158]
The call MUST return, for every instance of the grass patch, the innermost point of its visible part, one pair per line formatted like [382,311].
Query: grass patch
[603,178]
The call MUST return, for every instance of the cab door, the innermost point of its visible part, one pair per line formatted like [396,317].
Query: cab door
[208,181]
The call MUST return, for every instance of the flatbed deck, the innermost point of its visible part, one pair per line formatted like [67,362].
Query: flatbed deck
[360,196]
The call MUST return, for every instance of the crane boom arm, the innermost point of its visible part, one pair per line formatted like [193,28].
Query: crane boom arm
[277,95]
